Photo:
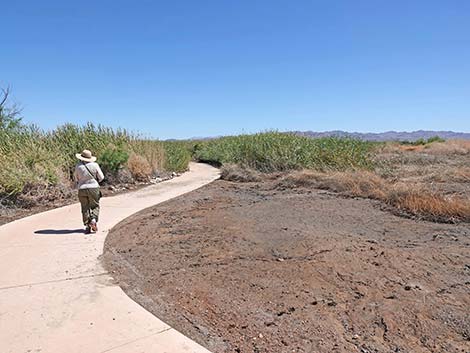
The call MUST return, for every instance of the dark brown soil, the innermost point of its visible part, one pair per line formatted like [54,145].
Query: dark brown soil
[251,268]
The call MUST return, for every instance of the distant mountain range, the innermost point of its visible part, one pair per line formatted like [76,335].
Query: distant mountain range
[370,136]
[388,135]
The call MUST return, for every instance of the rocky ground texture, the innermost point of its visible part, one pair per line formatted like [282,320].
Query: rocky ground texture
[252,267]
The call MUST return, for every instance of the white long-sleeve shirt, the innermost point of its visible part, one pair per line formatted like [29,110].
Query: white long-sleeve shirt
[84,179]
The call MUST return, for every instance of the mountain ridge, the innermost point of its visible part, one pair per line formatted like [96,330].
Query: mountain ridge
[388,135]
[368,136]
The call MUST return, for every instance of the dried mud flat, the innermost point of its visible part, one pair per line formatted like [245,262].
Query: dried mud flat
[253,268]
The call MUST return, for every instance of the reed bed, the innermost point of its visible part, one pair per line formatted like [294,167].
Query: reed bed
[34,158]
[275,151]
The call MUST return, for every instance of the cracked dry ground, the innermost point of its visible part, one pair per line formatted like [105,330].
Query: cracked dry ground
[252,268]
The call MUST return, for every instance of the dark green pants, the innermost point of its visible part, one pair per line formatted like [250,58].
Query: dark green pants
[90,201]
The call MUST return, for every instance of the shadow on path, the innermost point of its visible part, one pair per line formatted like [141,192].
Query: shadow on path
[59,231]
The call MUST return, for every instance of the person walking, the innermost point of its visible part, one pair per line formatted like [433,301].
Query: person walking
[88,175]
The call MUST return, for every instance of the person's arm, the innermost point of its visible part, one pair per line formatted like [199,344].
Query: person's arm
[100,175]
[75,175]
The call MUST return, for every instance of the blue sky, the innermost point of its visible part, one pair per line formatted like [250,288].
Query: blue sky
[175,69]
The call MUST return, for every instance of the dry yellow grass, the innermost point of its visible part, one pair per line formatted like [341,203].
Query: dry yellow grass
[358,183]
[152,151]
[407,197]
[429,205]
[139,167]
[233,172]
[456,175]
[411,148]
[450,147]
[462,174]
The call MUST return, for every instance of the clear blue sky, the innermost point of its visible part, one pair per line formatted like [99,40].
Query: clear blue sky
[176,69]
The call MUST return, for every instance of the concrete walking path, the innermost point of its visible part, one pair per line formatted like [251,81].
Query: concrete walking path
[55,295]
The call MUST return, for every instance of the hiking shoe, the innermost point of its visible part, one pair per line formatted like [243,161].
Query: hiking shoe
[93,226]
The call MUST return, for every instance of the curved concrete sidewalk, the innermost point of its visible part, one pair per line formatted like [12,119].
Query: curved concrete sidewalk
[55,296]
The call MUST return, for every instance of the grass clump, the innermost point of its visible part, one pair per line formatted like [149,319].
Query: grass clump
[153,151]
[139,167]
[112,159]
[177,156]
[26,160]
[429,205]
[411,199]
[232,172]
[274,151]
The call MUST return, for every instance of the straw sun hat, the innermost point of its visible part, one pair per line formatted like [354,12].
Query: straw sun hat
[85,156]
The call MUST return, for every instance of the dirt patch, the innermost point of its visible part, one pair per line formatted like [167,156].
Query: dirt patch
[251,268]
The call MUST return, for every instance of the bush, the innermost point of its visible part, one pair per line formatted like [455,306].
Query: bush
[435,139]
[419,142]
[112,159]
[139,167]
[423,142]
[153,151]
[69,139]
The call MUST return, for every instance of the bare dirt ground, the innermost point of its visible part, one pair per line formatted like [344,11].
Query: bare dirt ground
[251,267]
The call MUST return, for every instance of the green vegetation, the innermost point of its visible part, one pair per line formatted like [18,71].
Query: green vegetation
[112,159]
[33,158]
[435,139]
[275,151]
[177,156]
[422,142]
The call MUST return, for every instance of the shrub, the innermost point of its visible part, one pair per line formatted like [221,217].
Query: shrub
[153,151]
[419,142]
[112,159]
[139,167]
[435,139]
[422,141]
